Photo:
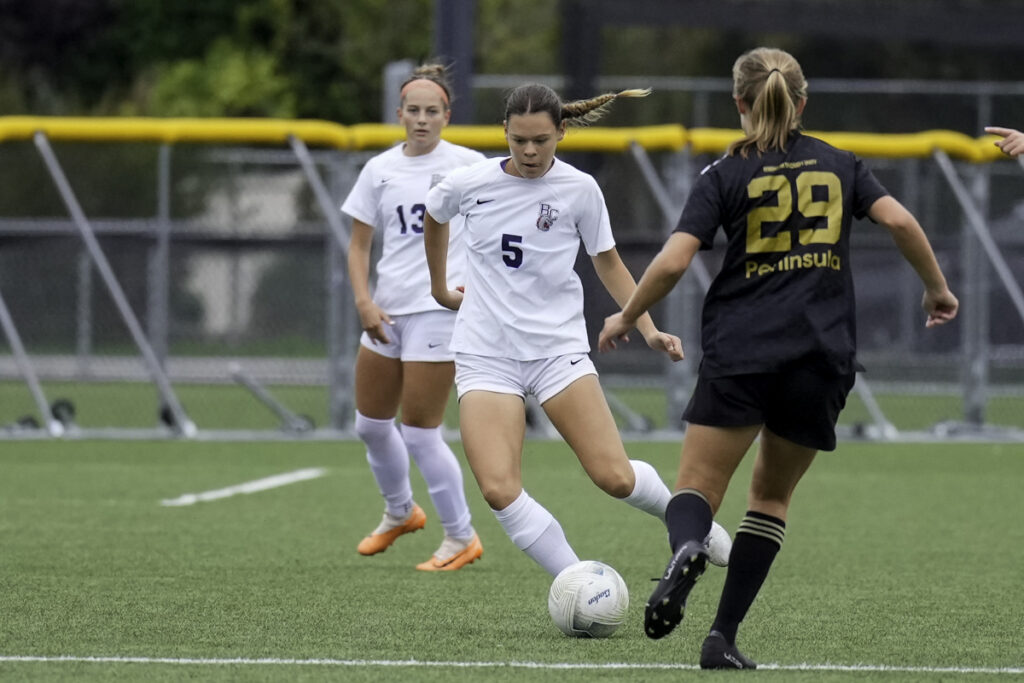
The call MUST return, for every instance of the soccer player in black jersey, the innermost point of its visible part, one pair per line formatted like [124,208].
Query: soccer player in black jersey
[778,331]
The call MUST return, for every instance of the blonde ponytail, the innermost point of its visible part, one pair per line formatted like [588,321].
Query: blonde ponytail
[771,84]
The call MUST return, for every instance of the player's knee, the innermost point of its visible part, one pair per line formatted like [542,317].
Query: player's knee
[498,495]
[369,429]
[616,482]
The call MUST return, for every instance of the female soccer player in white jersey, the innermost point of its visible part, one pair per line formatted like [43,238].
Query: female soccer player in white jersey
[777,333]
[404,360]
[520,328]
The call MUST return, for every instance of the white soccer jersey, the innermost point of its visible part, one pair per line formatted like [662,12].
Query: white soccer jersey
[389,195]
[523,299]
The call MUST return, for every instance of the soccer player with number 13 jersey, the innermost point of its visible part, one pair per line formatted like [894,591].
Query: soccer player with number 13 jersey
[404,359]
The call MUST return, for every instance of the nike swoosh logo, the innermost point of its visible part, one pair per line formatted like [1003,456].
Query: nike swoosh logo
[432,346]
[574,362]
[484,201]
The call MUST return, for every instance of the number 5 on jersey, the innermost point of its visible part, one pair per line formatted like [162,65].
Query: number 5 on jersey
[511,251]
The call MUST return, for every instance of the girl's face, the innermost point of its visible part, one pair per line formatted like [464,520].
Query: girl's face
[532,139]
[424,114]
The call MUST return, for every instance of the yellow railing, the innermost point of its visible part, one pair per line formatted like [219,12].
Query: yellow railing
[377,136]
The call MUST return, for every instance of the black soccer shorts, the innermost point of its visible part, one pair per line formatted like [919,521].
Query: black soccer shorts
[801,403]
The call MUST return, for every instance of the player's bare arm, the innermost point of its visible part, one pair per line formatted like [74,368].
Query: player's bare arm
[373,320]
[435,241]
[938,302]
[620,284]
[657,281]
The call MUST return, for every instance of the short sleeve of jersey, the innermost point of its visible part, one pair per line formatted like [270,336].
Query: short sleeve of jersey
[867,189]
[594,225]
[703,211]
[445,198]
[362,202]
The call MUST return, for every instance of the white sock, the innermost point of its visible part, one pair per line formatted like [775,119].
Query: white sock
[441,471]
[536,532]
[650,493]
[389,462]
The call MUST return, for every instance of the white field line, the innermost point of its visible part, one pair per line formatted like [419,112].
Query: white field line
[413,663]
[248,487]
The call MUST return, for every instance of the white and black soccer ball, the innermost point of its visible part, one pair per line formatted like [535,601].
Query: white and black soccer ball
[588,599]
[719,545]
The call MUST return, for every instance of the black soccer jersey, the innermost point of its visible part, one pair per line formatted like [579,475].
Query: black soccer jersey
[785,291]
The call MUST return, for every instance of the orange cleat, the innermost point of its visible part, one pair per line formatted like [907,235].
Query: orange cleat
[389,529]
[453,555]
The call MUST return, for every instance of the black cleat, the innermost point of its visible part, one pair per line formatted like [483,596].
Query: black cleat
[665,607]
[716,653]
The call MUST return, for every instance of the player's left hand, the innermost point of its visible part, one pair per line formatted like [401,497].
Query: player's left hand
[669,343]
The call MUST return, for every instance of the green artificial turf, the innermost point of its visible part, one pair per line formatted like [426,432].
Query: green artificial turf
[896,556]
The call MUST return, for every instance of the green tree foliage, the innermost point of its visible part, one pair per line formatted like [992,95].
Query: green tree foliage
[227,81]
[300,58]
[316,59]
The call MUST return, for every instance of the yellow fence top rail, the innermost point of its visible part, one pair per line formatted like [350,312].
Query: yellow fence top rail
[378,136]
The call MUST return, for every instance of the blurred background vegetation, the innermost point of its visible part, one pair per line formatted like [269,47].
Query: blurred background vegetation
[324,59]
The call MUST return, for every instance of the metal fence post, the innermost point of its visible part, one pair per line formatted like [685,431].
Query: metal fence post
[53,426]
[340,362]
[159,271]
[83,312]
[976,377]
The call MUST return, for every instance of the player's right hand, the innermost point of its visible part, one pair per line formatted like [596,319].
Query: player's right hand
[375,322]
[615,329]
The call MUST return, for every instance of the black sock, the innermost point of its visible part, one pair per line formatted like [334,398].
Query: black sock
[688,517]
[757,542]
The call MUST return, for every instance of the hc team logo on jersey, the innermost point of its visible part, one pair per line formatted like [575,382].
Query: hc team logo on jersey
[547,217]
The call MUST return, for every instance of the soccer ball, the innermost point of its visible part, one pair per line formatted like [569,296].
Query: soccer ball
[719,545]
[588,599]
